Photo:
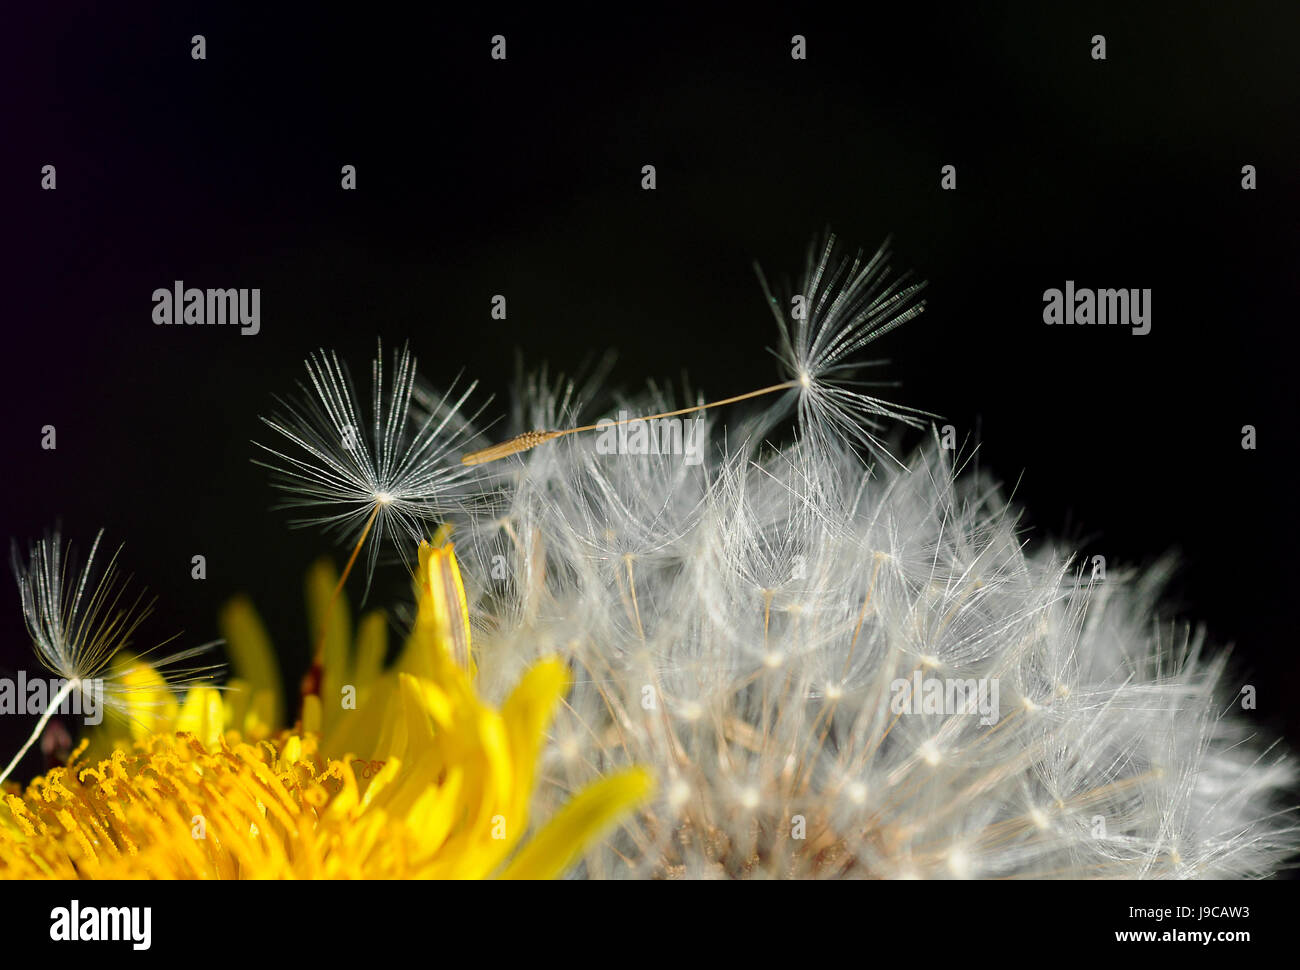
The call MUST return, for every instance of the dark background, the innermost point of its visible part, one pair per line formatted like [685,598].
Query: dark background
[478,177]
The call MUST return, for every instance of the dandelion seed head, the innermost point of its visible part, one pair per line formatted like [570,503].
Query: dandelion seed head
[744,624]
[907,570]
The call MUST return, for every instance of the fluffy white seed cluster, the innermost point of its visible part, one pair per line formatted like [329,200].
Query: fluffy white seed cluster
[848,670]
[756,628]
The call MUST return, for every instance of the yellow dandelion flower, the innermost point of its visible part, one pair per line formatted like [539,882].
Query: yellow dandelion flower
[441,791]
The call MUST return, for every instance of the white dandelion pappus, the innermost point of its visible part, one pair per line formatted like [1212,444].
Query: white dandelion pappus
[390,474]
[775,663]
[80,620]
[846,302]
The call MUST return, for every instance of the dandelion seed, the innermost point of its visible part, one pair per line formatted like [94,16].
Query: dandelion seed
[80,621]
[385,475]
[846,303]
[389,476]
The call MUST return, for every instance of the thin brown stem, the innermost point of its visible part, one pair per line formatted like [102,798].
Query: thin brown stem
[531,439]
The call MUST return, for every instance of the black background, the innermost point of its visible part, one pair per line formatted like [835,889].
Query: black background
[522,177]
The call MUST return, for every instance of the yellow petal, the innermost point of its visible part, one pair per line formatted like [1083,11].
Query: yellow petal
[372,646]
[581,822]
[236,699]
[527,713]
[150,704]
[322,580]
[411,730]
[443,607]
[361,731]
[202,715]
[251,656]
[261,719]
[311,714]
[495,751]
[436,810]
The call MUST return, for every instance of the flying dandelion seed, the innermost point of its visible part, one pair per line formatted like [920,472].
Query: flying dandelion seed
[846,303]
[390,476]
[80,621]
